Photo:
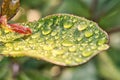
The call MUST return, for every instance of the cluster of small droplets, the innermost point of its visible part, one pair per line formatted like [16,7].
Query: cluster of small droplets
[8,36]
[62,39]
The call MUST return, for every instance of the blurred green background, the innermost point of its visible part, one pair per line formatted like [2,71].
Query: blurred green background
[105,66]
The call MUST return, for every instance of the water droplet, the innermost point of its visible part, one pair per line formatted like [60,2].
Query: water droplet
[35,35]
[46,38]
[96,31]
[56,37]
[39,24]
[78,60]
[79,38]
[82,27]
[67,24]
[48,47]
[16,48]
[30,42]
[63,32]
[75,53]
[57,21]
[46,30]
[64,56]
[96,36]
[9,49]
[68,62]
[7,31]
[25,48]
[74,20]
[40,40]
[46,53]
[86,54]
[102,41]
[88,33]
[91,24]
[50,22]
[58,51]
[53,33]
[8,45]
[63,36]
[84,44]
[93,47]
[90,39]
[81,48]
[103,47]
[67,43]
[72,49]
[50,41]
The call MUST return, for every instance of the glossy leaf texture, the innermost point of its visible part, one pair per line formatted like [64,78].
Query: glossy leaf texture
[61,39]
[10,8]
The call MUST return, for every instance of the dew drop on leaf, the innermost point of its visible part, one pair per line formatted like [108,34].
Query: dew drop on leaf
[82,27]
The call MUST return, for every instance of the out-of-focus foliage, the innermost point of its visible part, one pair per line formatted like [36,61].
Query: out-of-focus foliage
[105,66]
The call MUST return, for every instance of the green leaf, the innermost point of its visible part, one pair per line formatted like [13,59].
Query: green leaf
[23,76]
[62,39]
[110,14]
[1,57]
[3,70]
[37,75]
[85,72]
[79,8]
[107,66]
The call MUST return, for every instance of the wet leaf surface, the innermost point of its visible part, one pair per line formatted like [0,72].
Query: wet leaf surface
[61,39]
